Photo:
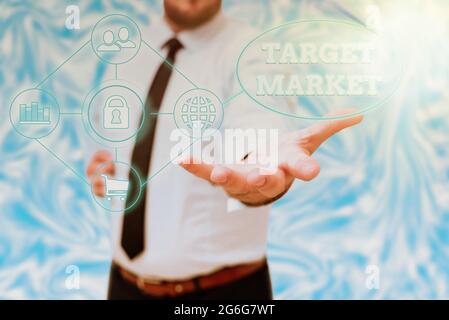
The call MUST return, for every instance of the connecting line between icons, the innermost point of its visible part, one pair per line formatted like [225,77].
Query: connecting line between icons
[71,113]
[116,77]
[116,66]
[228,100]
[225,102]
[169,64]
[168,163]
[59,67]
[63,162]
[160,114]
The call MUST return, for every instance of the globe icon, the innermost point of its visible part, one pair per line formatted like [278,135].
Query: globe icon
[198,111]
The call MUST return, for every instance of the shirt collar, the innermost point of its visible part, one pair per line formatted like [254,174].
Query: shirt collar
[193,39]
[196,38]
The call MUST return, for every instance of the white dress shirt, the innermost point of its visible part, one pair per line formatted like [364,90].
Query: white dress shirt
[189,227]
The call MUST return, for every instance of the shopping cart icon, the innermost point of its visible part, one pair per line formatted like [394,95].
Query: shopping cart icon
[115,187]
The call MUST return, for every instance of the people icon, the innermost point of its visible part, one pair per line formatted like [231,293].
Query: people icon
[108,45]
[123,41]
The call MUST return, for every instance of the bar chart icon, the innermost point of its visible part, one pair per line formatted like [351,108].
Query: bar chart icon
[34,113]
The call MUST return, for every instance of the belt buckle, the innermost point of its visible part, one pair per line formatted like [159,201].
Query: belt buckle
[141,282]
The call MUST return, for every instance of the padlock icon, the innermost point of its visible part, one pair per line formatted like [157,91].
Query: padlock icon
[116,113]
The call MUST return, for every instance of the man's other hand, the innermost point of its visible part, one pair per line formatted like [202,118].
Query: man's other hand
[101,159]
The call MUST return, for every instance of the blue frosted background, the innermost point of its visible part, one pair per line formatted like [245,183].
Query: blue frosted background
[381,199]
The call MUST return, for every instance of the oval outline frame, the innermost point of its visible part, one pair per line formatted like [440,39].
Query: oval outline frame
[290,115]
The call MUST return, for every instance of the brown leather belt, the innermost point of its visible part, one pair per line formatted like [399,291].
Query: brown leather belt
[178,288]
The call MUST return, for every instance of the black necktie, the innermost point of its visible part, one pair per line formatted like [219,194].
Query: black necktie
[134,220]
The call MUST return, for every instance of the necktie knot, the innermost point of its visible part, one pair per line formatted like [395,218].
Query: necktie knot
[173,45]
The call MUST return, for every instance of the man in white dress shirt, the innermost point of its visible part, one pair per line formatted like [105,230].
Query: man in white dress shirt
[200,230]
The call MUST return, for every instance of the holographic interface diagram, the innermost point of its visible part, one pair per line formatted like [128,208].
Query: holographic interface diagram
[110,110]
[114,112]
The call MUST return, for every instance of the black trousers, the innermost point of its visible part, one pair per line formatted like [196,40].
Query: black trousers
[256,286]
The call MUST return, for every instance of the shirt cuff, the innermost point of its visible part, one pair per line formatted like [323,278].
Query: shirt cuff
[234,205]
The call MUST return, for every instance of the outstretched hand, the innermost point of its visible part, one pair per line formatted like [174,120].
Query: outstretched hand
[248,184]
